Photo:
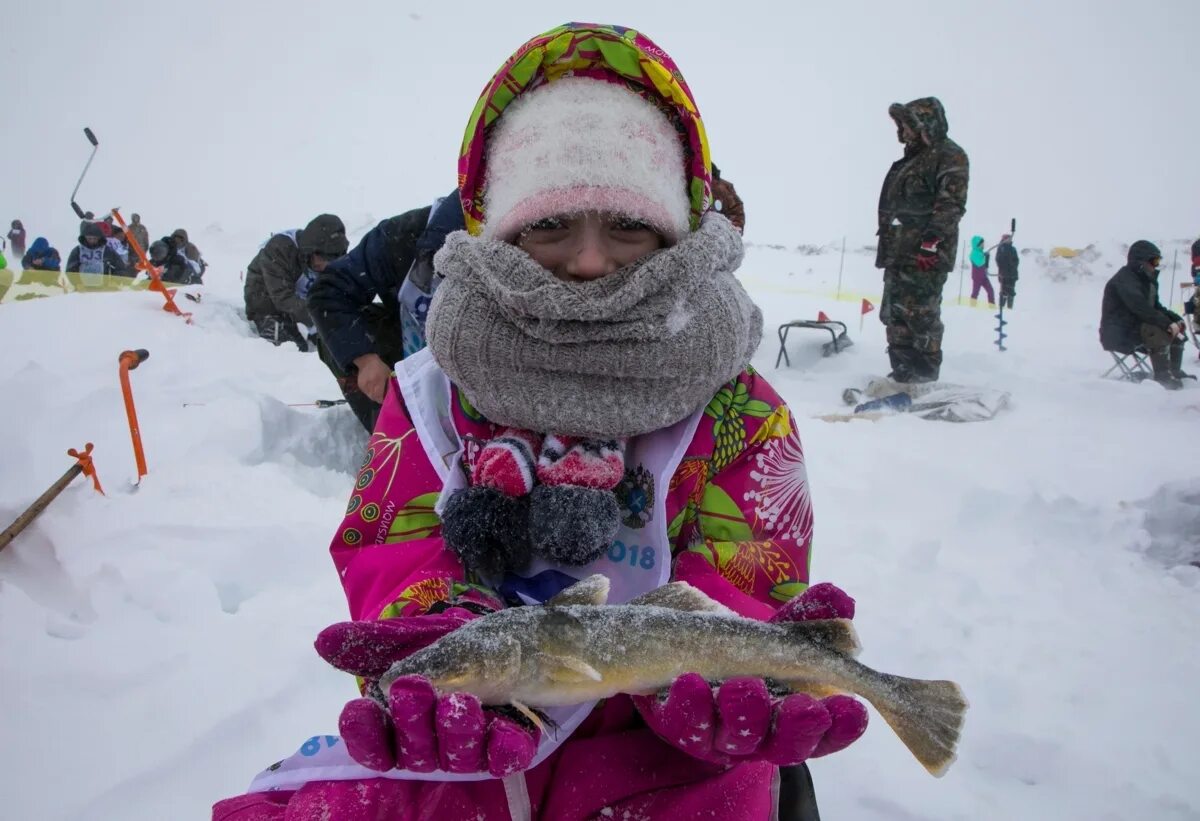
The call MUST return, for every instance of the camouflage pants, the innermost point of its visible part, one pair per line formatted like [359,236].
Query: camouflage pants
[384,329]
[1166,353]
[911,310]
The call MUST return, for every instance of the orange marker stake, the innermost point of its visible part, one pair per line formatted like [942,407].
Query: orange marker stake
[128,361]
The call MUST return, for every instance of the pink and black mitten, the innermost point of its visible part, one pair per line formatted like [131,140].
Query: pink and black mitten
[487,524]
[573,514]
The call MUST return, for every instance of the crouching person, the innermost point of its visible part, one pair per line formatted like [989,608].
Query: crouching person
[1131,316]
[41,257]
[562,422]
[174,265]
[278,278]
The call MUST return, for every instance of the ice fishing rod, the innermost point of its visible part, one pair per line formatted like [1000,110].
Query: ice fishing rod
[320,403]
[95,146]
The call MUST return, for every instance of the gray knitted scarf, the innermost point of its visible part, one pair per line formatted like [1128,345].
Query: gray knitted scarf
[630,353]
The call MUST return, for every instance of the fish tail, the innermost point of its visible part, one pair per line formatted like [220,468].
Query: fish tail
[926,715]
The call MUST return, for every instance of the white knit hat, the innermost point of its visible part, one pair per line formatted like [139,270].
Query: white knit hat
[583,144]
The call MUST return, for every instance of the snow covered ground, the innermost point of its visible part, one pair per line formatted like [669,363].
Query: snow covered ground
[156,644]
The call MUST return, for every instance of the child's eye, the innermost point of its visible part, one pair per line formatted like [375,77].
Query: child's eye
[630,224]
[547,224]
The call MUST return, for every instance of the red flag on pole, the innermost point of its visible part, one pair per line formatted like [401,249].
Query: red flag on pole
[821,317]
[867,307]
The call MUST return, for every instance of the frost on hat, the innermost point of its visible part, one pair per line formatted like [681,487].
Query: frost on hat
[584,144]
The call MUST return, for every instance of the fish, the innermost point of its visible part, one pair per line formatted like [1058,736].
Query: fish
[578,648]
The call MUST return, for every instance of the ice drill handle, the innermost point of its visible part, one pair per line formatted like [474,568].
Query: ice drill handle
[132,359]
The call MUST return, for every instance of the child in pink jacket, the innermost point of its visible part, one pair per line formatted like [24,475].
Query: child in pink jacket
[585,405]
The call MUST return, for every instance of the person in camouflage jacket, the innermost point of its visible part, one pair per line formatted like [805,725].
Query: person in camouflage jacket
[923,198]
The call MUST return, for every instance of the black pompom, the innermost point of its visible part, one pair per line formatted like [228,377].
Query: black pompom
[487,529]
[572,525]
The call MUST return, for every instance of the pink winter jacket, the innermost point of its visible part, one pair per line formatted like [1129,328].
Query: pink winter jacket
[741,524]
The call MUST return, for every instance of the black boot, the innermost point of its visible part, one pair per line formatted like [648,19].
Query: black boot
[1177,362]
[1162,371]
[904,364]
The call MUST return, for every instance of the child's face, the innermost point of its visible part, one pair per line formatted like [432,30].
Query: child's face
[592,245]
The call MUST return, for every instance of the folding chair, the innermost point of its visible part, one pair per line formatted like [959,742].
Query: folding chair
[836,344]
[1133,366]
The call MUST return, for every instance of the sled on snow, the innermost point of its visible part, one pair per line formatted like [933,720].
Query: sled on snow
[838,340]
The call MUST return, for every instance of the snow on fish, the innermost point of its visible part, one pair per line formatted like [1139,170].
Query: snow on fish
[577,648]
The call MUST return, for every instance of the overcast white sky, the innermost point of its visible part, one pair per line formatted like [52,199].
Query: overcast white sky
[1080,118]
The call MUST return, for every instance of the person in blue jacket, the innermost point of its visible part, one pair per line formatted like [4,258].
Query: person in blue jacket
[361,339]
[41,257]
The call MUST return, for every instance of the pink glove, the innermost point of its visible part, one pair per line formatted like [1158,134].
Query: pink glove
[418,730]
[927,254]
[742,721]
[369,648]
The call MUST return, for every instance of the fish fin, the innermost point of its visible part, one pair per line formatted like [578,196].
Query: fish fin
[926,715]
[530,714]
[592,590]
[681,596]
[836,634]
[519,713]
[568,669]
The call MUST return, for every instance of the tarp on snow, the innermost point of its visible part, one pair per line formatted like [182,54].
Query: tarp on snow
[16,287]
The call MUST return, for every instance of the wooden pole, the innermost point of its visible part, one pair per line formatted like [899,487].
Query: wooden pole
[841,267]
[962,266]
[83,464]
[23,521]
[1171,290]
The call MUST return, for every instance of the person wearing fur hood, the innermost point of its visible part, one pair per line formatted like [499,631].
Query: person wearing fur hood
[585,405]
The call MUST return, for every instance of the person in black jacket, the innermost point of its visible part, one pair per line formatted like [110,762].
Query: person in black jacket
[1131,315]
[361,340]
[1007,262]
[94,256]
[175,266]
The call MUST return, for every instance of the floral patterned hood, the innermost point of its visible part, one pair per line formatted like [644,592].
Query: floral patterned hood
[612,53]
